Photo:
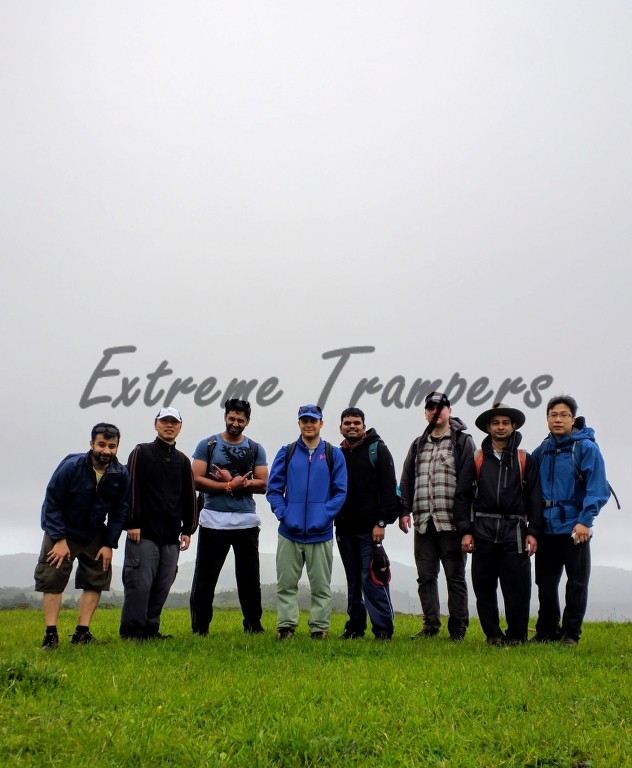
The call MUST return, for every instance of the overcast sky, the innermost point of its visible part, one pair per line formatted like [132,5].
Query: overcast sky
[237,188]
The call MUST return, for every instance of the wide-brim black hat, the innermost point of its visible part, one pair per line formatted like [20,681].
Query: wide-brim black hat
[499,409]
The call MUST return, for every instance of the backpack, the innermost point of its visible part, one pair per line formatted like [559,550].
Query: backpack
[210,447]
[522,462]
[398,493]
[580,477]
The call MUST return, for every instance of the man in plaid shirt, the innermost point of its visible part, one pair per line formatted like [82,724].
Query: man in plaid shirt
[428,484]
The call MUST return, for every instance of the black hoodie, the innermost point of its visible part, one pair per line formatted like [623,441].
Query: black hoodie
[371,491]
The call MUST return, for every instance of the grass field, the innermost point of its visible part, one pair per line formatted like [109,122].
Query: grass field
[236,700]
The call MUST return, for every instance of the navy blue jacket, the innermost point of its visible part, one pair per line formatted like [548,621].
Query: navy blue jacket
[76,508]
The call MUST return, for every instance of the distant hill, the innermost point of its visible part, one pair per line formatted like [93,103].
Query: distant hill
[610,596]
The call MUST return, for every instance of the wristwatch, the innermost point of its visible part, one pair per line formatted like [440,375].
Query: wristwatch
[381,524]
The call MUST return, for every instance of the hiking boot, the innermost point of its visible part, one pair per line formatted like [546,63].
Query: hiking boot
[514,641]
[457,637]
[51,641]
[568,641]
[253,629]
[351,635]
[425,633]
[382,638]
[285,633]
[542,639]
[318,635]
[498,642]
[82,638]
[160,636]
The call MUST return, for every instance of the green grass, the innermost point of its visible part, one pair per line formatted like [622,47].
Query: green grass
[236,700]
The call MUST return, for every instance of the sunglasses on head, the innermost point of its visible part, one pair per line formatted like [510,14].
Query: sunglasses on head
[107,430]
[234,403]
[310,409]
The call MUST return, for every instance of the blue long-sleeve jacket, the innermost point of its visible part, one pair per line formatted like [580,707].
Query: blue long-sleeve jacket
[75,507]
[573,480]
[308,497]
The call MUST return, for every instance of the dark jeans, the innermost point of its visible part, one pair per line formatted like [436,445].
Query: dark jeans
[364,595]
[213,547]
[502,561]
[432,549]
[149,571]
[556,553]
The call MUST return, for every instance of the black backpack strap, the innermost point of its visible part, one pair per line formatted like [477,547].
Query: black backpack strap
[289,452]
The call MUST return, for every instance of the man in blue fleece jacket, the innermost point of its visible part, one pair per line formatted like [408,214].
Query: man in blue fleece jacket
[306,490]
[574,489]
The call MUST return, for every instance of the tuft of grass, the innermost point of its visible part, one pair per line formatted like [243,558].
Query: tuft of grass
[249,700]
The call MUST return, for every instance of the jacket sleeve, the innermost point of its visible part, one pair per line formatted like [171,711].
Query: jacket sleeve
[189,500]
[532,495]
[134,468]
[53,522]
[118,512]
[464,495]
[277,482]
[593,470]
[407,481]
[387,485]
[337,483]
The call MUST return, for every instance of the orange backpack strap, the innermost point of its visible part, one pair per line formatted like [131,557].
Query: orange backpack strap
[478,461]
[522,461]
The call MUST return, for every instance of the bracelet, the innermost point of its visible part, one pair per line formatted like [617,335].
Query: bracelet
[228,488]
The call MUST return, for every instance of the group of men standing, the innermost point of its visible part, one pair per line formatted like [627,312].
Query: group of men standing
[499,504]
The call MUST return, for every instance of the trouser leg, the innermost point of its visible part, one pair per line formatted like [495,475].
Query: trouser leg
[453,560]
[349,548]
[213,546]
[485,568]
[289,564]
[140,567]
[515,582]
[163,581]
[377,597]
[577,562]
[247,575]
[427,560]
[549,564]
[319,561]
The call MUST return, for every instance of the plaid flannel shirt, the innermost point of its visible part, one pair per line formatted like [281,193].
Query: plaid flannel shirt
[435,484]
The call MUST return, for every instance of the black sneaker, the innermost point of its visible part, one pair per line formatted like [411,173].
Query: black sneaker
[51,641]
[160,636]
[347,635]
[498,642]
[457,637]
[82,638]
[424,634]
[253,629]
[382,638]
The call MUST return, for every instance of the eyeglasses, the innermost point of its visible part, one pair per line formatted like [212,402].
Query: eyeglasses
[309,409]
[234,403]
[107,430]
[555,415]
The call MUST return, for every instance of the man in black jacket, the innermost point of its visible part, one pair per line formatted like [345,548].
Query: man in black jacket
[371,504]
[498,512]
[162,517]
